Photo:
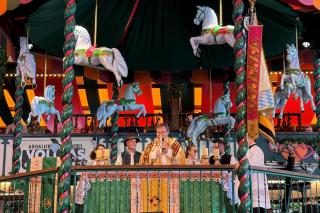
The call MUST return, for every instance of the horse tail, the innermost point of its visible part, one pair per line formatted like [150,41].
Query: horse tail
[101,110]
[192,126]
[35,106]
[119,63]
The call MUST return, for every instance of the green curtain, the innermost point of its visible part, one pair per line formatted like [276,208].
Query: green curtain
[159,36]
[118,199]
[203,196]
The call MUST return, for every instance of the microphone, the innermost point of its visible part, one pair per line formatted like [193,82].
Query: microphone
[163,150]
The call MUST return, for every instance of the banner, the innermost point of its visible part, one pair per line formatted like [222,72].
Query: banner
[254,50]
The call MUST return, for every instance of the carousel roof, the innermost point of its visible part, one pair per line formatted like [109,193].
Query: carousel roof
[158,38]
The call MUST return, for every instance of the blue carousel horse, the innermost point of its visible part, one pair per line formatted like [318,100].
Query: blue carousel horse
[202,122]
[86,54]
[299,80]
[128,103]
[44,105]
[212,32]
[26,64]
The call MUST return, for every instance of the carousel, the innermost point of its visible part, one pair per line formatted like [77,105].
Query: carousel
[159,106]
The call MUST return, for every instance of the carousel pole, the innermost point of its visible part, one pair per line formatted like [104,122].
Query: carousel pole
[66,118]
[227,129]
[316,75]
[239,66]
[17,133]
[114,125]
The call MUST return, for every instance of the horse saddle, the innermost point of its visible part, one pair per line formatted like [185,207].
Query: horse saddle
[90,51]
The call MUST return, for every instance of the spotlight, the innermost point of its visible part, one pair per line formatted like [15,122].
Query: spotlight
[306,44]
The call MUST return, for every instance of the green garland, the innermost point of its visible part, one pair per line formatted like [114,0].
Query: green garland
[175,90]
[316,87]
[66,117]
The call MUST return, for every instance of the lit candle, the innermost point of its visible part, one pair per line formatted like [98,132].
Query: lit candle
[205,152]
[216,153]
[106,153]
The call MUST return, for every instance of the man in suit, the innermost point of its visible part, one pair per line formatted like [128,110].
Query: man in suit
[130,156]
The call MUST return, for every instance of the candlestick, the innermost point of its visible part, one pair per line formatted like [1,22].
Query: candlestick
[205,152]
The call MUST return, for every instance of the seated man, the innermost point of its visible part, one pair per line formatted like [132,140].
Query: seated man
[225,158]
[129,156]
[163,150]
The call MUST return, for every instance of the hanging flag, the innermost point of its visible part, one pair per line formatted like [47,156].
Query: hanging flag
[254,50]
[266,103]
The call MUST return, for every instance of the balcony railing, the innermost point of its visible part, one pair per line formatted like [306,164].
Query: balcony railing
[157,189]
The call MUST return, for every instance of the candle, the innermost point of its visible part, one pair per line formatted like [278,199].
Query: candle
[106,153]
[205,152]
[216,153]
[98,154]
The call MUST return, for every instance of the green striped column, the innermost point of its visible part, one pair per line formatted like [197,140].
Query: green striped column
[239,66]
[114,126]
[66,117]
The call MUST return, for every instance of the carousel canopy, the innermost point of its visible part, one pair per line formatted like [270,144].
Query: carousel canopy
[158,38]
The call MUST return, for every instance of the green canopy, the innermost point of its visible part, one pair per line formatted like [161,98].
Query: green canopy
[159,36]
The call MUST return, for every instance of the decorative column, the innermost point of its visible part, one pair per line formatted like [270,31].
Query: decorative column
[227,129]
[17,133]
[239,66]
[316,75]
[66,118]
[114,125]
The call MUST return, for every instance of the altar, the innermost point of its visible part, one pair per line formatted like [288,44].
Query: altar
[154,191]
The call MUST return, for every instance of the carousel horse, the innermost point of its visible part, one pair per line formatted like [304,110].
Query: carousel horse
[44,105]
[281,97]
[299,80]
[86,54]
[200,123]
[128,103]
[211,32]
[26,64]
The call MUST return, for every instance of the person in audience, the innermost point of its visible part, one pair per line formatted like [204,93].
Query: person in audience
[163,150]
[259,182]
[129,156]
[97,160]
[191,155]
[225,158]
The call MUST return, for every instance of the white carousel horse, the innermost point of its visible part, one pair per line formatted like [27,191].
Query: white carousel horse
[299,80]
[86,54]
[44,105]
[281,97]
[26,63]
[200,123]
[128,103]
[211,32]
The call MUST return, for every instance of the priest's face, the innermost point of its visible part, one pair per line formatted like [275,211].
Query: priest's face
[162,132]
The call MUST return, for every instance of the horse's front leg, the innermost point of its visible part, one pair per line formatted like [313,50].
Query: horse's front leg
[57,113]
[29,119]
[195,41]
[48,117]
[38,119]
[142,110]
[282,108]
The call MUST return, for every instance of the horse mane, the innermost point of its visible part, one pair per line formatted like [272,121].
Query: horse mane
[49,92]
[129,92]
[27,64]
[23,45]
[83,37]
[210,15]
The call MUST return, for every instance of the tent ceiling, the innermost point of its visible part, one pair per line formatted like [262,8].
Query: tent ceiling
[160,33]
